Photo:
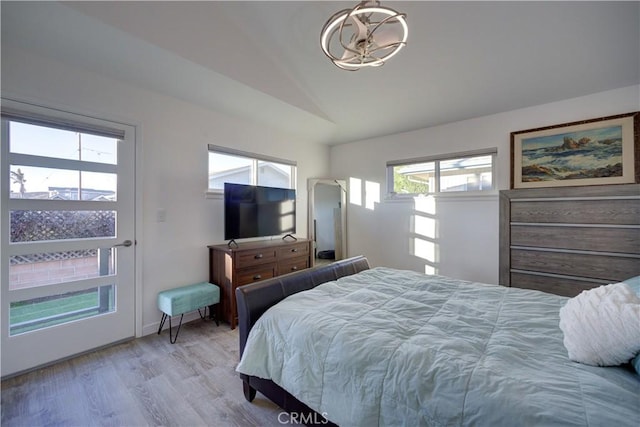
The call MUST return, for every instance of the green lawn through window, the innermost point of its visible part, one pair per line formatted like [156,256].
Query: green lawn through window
[43,312]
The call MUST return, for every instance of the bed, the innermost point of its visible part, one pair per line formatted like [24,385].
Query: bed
[379,346]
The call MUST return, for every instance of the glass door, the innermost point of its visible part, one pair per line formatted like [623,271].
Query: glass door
[67,235]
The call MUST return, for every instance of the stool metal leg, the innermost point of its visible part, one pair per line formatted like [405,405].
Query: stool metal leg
[164,317]
[173,340]
[213,315]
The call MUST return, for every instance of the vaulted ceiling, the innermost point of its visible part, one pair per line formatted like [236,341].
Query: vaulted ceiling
[262,61]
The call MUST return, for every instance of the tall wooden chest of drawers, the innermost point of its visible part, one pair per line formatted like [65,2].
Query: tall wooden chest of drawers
[230,267]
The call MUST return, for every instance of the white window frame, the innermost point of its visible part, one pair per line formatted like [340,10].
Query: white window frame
[255,159]
[391,194]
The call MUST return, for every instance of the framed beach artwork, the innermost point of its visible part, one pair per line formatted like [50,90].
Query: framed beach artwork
[590,152]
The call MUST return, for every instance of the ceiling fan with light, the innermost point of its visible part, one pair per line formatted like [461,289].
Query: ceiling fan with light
[366,36]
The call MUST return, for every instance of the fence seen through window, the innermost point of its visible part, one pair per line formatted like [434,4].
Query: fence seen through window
[51,170]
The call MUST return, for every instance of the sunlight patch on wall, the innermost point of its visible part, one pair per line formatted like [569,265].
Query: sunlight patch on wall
[426,250]
[355,191]
[429,269]
[372,194]
[425,233]
[369,193]
[287,215]
[425,205]
[424,226]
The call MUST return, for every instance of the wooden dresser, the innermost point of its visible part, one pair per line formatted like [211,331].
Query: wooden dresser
[251,262]
[564,240]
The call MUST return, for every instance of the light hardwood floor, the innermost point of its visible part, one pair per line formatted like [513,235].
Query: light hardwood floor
[144,382]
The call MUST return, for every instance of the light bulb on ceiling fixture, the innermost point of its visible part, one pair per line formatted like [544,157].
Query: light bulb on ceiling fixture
[365,36]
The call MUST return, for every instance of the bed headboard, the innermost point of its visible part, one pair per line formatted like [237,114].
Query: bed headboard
[564,240]
[254,299]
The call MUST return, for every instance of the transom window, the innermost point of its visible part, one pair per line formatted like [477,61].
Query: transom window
[464,172]
[238,167]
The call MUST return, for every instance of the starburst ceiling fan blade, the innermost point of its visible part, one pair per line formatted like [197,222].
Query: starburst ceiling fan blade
[384,37]
[348,53]
[362,32]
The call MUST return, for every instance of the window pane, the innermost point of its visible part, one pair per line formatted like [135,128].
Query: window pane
[466,174]
[38,313]
[34,226]
[98,186]
[226,168]
[272,174]
[61,144]
[98,149]
[414,179]
[27,271]
[28,182]
[43,141]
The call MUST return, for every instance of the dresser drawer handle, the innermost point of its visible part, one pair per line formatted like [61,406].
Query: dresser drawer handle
[294,268]
[258,256]
[294,250]
[257,277]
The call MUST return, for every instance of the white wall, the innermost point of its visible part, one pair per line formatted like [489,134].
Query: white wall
[454,236]
[173,135]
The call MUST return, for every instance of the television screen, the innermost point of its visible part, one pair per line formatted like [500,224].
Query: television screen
[255,211]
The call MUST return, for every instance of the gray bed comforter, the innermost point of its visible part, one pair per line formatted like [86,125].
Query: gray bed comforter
[390,347]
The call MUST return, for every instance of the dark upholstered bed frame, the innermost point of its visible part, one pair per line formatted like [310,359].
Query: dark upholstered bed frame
[558,240]
[253,300]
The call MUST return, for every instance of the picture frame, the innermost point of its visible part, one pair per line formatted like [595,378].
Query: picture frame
[590,152]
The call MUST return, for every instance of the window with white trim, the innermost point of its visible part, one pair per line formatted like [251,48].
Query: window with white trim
[239,167]
[459,172]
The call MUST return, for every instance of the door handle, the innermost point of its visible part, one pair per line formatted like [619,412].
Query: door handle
[126,244]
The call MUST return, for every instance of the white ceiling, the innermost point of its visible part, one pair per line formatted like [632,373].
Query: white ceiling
[262,61]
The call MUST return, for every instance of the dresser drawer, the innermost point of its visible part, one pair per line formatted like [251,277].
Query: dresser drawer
[253,257]
[251,262]
[255,274]
[294,250]
[293,264]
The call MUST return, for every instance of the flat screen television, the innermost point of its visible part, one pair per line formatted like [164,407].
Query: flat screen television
[256,211]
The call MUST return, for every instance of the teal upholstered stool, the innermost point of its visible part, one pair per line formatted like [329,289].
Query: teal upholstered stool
[185,299]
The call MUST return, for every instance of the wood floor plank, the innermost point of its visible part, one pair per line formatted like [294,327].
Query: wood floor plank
[144,382]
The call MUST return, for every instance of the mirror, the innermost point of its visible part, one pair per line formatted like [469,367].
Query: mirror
[327,219]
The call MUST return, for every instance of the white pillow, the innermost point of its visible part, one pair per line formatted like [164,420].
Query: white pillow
[601,326]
